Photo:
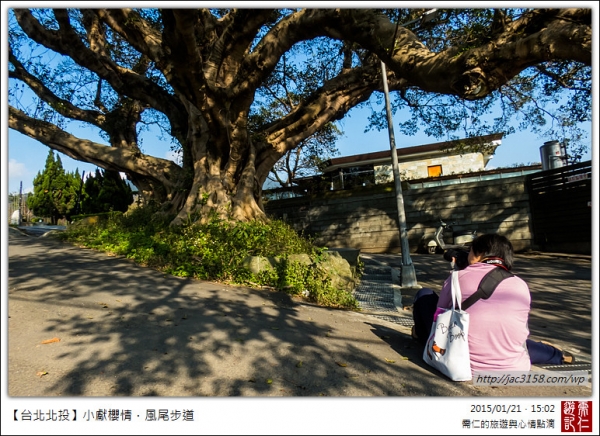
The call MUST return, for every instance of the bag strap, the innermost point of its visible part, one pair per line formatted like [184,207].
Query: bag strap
[455,291]
[487,286]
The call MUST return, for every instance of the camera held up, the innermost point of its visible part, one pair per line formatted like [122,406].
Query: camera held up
[461,257]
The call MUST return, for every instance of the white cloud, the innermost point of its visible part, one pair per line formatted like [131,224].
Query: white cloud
[17,174]
[16,169]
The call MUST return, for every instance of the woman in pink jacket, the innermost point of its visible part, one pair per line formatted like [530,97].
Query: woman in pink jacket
[498,331]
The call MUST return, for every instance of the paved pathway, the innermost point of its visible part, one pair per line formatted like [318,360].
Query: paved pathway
[125,330]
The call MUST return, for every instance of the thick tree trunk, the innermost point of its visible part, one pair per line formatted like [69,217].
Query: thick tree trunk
[220,189]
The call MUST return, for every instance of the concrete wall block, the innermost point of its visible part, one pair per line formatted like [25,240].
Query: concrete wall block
[368,220]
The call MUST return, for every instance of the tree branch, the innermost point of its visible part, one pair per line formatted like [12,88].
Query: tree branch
[123,80]
[236,39]
[141,35]
[471,74]
[110,158]
[179,35]
[62,106]
[328,103]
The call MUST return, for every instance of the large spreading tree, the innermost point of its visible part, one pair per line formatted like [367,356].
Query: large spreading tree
[205,76]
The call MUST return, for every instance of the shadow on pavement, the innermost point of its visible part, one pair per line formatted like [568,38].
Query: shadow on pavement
[126,330]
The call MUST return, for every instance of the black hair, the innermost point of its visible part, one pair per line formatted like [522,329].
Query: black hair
[493,245]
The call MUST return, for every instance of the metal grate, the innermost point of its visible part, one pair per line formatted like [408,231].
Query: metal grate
[402,320]
[375,292]
[376,296]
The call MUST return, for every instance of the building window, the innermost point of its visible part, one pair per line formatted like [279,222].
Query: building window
[352,177]
[434,171]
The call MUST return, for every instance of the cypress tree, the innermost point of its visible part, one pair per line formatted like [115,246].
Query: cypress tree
[54,191]
[106,191]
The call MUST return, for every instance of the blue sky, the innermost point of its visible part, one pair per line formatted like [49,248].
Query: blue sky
[26,157]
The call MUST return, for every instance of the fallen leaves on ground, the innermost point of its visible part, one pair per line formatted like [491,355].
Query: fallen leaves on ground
[390,361]
[41,373]
[341,364]
[50,341]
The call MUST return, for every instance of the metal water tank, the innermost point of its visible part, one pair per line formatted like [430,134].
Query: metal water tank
[552,154]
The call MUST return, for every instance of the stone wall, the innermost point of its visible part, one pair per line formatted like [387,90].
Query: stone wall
[367,218]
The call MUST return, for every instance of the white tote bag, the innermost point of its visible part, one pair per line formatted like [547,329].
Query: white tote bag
[447,348]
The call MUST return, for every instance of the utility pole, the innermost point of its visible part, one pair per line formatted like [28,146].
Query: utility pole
[20,203]
[409,278]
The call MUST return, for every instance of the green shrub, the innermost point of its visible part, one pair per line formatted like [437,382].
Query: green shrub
[293,277]
[214,251]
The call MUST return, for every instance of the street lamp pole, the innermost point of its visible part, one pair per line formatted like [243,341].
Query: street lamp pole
[409,278]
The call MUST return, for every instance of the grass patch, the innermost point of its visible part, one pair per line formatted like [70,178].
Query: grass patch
[214,251]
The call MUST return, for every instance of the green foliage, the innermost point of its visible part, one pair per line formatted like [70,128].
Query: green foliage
[214,251]
[322,292]
[312,281]
[552,99]
[105,191]
[54,191]
[293,277]
[101,215]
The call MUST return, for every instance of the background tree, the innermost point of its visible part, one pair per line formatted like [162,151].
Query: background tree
[54,191]
[201,74]
[282,93]
[106,191]
[307,158]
